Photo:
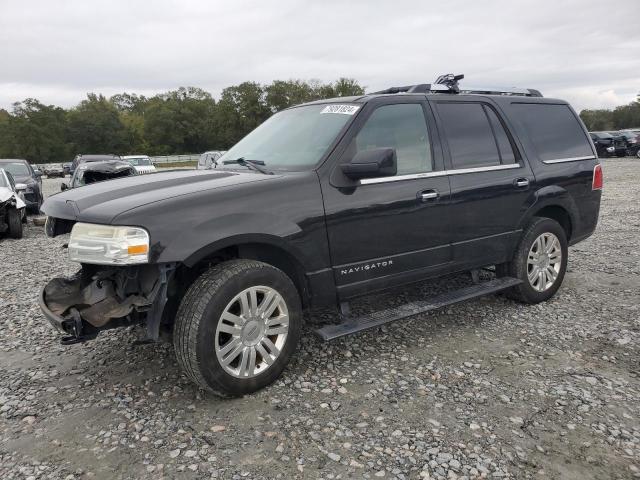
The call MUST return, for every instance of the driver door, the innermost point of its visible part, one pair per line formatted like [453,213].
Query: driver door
[390,230]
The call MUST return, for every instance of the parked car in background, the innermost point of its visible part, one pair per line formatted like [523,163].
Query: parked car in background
[632,141]
[92,172]
[12,205]
[619,144]
[66,168]
[82,158]
[142,163]
[208,159]
[604,143]
[55,171]
[22,172]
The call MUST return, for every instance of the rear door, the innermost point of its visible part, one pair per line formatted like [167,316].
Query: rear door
[490,182]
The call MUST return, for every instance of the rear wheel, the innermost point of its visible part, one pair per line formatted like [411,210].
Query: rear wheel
[237,327]
[540,261]
[14,219]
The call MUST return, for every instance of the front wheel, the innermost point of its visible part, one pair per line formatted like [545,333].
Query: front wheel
[237,327]
[14,219]
[540,261]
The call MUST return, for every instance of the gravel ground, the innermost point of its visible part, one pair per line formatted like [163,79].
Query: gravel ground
[488,388]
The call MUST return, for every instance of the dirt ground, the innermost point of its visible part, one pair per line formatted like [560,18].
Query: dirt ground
[489,388]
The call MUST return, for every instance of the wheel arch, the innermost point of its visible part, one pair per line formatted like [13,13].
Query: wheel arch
[556,203]
[264,248]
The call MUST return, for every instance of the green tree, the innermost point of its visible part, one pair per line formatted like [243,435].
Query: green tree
[179,121]
[95,126]
[240,109]
[35,132]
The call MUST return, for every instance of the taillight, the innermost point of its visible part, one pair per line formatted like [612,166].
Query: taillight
[597,178]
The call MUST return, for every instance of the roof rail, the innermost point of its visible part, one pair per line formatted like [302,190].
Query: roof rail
[449,84]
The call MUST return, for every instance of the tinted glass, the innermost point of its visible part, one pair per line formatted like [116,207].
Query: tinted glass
[554,130]
[294,139]
[504,145]
[402,127]
[469,135]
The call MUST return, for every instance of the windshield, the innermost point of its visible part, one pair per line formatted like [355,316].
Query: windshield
[3,182]
[139,162]
[294,139]
[16,169]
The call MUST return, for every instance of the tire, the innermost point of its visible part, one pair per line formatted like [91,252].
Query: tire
[36,209]
[520,268]
[14,219]
[200,342]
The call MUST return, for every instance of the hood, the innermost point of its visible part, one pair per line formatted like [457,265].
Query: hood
[102,202]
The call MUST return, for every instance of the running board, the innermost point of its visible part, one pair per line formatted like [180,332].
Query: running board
[381,317]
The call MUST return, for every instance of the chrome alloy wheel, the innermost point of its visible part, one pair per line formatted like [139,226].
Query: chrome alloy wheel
[544,262]
[252,331]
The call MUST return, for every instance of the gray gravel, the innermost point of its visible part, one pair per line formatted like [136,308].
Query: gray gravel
[489,388]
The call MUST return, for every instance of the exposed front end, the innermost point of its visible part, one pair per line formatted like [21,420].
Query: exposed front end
[100,298]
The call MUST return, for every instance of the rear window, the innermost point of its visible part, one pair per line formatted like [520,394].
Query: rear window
[475,135]
[554,130]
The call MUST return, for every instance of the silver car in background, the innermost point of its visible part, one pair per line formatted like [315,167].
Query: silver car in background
[142,163]
[208,159]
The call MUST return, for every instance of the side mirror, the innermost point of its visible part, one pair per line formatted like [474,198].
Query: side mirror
[63,186]
[38,173]
[21,187]
[377,162]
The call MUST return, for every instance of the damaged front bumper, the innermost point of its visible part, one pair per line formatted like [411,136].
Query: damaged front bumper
[97,299]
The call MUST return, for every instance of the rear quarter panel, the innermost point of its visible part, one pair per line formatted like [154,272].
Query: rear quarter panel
[565,184]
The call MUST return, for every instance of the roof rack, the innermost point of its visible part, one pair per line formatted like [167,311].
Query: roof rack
[449,84]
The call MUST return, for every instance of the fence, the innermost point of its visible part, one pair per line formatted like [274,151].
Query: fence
[174,158]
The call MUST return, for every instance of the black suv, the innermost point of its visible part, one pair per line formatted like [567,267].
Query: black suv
[322,203]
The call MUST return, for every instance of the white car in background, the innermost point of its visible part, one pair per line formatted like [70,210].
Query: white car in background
[208,159]
[13,210]
[142,163]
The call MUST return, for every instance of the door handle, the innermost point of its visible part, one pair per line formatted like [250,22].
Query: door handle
[521,182]
[428,195]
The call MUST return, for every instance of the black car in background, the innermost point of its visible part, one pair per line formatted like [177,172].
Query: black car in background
[92,172]
[82,158]
[23,172]
[608,145]
[632,141]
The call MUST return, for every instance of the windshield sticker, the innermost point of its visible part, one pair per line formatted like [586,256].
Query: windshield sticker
[343,109]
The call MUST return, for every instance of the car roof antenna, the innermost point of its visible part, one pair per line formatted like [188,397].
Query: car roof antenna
[450,81]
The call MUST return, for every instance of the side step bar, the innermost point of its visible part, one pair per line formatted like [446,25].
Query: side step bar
[375,319]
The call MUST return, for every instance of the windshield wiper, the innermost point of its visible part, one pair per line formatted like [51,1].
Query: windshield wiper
[252,164]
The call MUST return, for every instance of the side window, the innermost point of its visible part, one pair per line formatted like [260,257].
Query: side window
[475,135]
[403,127]
[554,130]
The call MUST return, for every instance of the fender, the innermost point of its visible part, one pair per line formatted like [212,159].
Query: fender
[551,196]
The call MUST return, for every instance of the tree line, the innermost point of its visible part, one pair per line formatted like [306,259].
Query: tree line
[186,120]
[625,116]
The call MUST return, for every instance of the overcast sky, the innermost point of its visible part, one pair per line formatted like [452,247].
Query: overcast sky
[587,52]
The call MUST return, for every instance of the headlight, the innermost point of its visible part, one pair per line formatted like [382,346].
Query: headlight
[108,245]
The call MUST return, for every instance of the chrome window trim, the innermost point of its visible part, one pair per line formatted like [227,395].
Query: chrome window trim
[570,159]
[439,173]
